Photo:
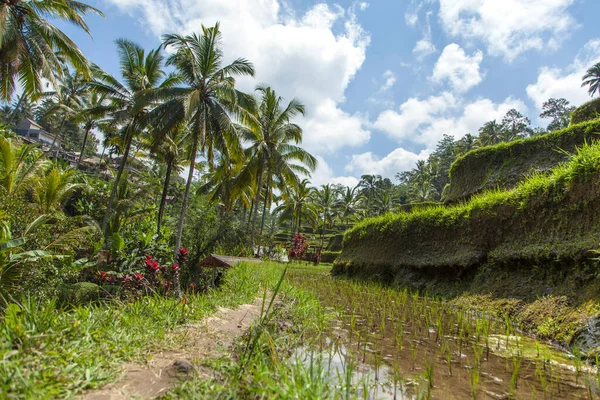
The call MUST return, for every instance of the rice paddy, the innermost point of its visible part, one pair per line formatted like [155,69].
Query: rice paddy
[385,343]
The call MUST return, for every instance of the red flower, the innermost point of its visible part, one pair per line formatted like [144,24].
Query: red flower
[138,276]
[183,251]
[152,264]
[175,267]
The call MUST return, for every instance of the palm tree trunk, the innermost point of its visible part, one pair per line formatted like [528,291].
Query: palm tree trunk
[268,189]
[163,198]
[323,231]
[16,110]
[186,198]
[57,133]
[85,138]
[113,192]
[250,214]
[256,202]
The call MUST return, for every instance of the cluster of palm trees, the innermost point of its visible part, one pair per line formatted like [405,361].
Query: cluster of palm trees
[322,208]
[249,143]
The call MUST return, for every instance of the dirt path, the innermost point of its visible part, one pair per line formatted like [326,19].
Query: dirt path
[212,337]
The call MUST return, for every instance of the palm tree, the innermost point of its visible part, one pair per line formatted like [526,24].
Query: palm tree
[31,48]
[297,206]
[225,186]
[347,204]
[129,102]
[490,133]
[170,150]
[274,152]
[54,188]
[19,165]
[592,79]
[325,199]
[206,100]
[65,101]
[89,120]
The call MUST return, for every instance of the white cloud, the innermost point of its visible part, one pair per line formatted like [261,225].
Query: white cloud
[424,48]
[383,95]
[509,27]
[301,56]
[398,160]
[411,19]
[390,80]
[330,128]
[426,121]
[324,174]
[460,69]
[566,82]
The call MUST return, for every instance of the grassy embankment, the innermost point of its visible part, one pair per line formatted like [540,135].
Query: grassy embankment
[526,250]
[49,352]
[505,165]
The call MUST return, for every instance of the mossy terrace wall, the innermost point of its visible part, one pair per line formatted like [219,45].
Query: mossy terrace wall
[506,164]
[547,221]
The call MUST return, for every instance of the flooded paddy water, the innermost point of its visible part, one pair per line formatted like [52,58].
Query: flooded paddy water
[384,343]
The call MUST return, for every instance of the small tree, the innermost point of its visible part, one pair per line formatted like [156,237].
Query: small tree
[559,110]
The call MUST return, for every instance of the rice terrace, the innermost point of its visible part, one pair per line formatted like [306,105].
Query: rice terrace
[299,199]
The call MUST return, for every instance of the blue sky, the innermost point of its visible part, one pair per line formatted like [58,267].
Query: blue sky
[382,80]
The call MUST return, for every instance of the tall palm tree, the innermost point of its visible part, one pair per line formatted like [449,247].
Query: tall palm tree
[31,48]
[87,117]
[273,153]
[592,79]
[347,204]
[205,101]
[129,102]
[171,151]
[65,101]
[325,199]
[297,206]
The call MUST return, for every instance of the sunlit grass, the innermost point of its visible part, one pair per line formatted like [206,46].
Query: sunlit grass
[48,352]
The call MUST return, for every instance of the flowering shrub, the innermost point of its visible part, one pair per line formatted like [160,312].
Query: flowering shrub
[299,247]
[154,277]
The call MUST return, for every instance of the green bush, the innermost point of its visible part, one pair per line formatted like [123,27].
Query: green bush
[506,164]
[586,112]
[548,219]
[79,293]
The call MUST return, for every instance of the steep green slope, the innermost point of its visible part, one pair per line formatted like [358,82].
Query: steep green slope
[547,220]
[506,164]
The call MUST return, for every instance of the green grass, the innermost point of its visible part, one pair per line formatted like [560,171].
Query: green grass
[461,233]
[271,370]
[48,352]
[504,165]
[293,358]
